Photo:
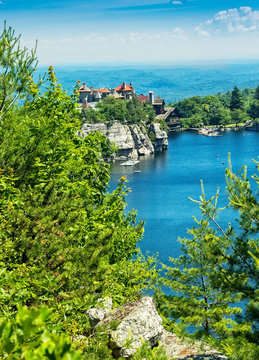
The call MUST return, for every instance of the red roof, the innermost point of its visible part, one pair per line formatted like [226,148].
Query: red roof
[82,89]
[103,90]
[143,98]
[127,88]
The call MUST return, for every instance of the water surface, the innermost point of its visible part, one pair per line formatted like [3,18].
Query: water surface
[160,193]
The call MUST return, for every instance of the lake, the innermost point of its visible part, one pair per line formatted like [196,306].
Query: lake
[160,193]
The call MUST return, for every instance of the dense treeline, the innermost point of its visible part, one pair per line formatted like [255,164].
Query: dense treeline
[127,111]
[234,107]
[65,240]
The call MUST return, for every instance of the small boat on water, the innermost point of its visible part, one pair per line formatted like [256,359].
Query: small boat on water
[206,132]
[202,132]
[213,133]
[130,162]
[137,171]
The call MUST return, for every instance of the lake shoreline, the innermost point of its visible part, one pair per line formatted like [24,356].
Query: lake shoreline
[221,128]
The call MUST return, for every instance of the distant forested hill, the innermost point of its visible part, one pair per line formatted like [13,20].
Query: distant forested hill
[233,107]
[173,83]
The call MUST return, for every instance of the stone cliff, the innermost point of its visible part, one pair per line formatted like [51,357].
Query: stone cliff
[131,141]
[137,322]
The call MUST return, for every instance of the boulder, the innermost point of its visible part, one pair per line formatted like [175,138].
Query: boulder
[97,314]
[138,322]
[176,348]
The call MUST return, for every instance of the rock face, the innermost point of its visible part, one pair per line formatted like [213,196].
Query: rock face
[132,141]
[161,139]
[97,314]
[175,348]
[138,322]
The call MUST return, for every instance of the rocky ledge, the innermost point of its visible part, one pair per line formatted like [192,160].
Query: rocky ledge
[132,141]
[137,322]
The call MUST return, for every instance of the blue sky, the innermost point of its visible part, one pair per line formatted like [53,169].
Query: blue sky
[135,31]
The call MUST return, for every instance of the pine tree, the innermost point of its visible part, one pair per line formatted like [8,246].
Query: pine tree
[17,65]
[254,108]
[218,267]
[236,101]
[257,93]
[195,277]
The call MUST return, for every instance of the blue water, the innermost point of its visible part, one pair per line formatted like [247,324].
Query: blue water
[160,192]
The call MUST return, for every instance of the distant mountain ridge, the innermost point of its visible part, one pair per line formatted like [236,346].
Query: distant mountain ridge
[173,83]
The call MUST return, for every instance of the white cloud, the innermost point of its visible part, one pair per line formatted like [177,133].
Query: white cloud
[176,2]
[236,20]
[114,38]
[176,33]
[199,29]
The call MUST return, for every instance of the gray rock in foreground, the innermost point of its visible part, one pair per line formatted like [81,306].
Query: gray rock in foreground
[178,349]
[139,322]
[97,314]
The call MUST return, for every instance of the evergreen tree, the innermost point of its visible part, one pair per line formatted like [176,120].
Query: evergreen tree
[257,93]
[254,108]
[236,101]
[219,267]
[17,65]
[194,279]
[65,222]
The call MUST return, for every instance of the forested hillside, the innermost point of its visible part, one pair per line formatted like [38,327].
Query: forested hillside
[65,240]
[234,107]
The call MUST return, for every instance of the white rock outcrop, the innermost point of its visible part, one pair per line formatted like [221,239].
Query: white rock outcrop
[176,348]
[161,139]
[131,141]
[138,322]
[97,314]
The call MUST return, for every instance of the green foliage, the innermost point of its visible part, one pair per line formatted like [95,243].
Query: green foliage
[216,114]
[189,106]
[17,64]
[90,116]
[221,109]
[64,239]
[218,268]
[26,337]
[239,116]
[238,348]
[124,111]
[254,106]
[59,186]
[194,278]
[256,96]
[236,101]
[145,352]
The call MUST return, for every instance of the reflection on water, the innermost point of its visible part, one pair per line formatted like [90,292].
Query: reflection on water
[147,164]
[161,191]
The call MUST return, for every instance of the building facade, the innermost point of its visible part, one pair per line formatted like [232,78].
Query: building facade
[92,96]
